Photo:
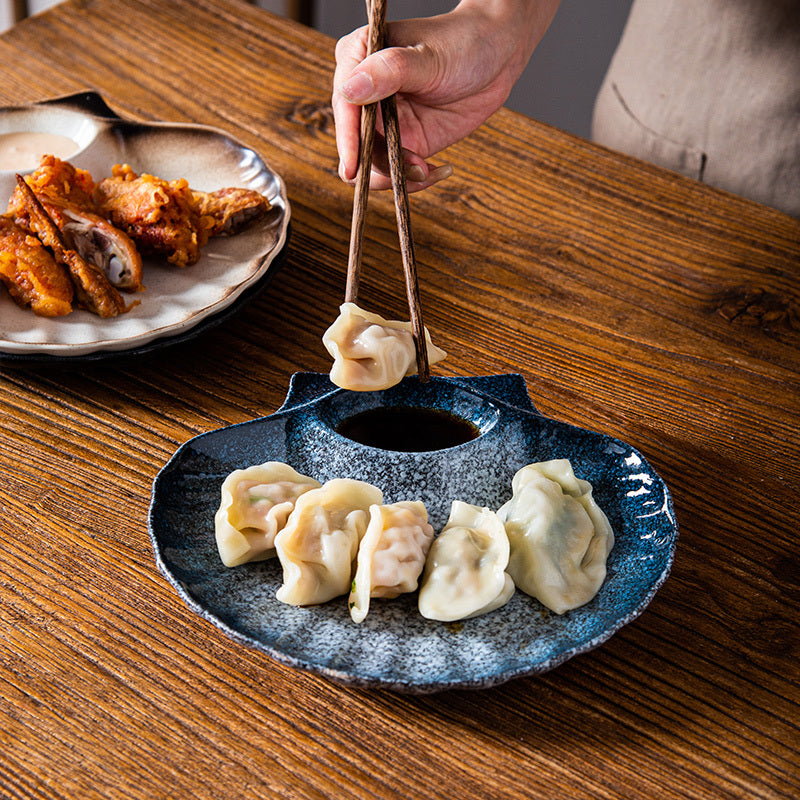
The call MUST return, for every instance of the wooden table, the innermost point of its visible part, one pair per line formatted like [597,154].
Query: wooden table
[634,302]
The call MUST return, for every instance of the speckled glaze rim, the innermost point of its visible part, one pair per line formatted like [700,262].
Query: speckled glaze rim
[309,399]
[177,304]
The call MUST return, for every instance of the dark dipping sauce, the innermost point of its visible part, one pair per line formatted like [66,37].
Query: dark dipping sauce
[409,429]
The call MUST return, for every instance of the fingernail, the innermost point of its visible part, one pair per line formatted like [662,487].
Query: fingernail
[359,88]
[440,173]
[415,173]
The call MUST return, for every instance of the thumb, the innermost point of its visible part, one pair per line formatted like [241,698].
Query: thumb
[387,72]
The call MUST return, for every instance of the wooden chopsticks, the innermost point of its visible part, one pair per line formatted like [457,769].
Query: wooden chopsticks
[369,113]
[377,35]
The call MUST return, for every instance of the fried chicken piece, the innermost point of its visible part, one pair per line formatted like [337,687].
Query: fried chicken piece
[100,243]
[231,209]
[66,194]
[160,216]
[55,180]
[31,274]
[92,288]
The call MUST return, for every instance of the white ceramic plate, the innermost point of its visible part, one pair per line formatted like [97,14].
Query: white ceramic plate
[175,300]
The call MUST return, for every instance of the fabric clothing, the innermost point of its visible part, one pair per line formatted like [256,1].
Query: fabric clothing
[711,89]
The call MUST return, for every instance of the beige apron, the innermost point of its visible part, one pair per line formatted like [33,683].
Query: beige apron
[711,89]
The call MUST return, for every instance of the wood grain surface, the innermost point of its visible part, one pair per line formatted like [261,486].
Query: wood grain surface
[633,301]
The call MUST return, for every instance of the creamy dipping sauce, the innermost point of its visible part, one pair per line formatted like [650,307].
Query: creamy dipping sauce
[24,150]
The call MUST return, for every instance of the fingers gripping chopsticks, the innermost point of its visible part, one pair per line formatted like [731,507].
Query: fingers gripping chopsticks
[376,10]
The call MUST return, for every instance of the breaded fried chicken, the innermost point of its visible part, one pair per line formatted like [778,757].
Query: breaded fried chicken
[55,180]
[31,274]
[231,209]
[92,289]
[66,194]
[160,216]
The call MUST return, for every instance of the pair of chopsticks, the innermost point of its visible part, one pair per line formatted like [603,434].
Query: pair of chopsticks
[377,34]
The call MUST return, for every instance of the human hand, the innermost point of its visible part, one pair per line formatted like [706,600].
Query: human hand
[449,73]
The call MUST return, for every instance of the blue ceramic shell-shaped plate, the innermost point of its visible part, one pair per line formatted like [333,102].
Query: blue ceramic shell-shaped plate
[395,647]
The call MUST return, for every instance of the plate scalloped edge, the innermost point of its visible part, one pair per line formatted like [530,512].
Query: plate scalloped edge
[203,291]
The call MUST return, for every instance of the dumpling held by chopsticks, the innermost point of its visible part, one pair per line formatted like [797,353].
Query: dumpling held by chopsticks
[370,352]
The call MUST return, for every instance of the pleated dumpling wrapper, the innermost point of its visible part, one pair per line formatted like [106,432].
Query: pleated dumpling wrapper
[318,546]
[465,573]
[255,505]
[560,538]
[391,555]
[372,353]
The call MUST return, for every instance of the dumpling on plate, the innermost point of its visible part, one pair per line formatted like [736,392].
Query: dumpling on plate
[560,538]
[391,555]
[370,352]
[465,573]
[318,546]
[255,505]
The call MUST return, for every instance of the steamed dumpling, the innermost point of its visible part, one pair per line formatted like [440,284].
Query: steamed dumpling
[465,572]
[391,555]
[317,548]
[370,352]
[560,538]
[256,502]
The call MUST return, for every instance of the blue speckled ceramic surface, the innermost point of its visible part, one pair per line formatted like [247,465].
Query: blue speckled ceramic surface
[395,647]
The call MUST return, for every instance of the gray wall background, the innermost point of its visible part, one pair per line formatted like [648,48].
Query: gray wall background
[562,78]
